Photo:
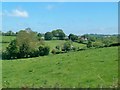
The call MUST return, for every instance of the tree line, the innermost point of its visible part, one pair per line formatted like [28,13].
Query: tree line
[31,44]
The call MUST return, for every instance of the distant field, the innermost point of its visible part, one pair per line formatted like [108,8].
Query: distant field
[5,41]
[8,39]
[52,43]
[89,68]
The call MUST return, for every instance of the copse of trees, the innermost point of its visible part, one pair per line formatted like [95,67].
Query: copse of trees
[73,37]
[9,33]
[59,34]
[24,46]
[67,46]
[48,36]
[40,36]
[55,34]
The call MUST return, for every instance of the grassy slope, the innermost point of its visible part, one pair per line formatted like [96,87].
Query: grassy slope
[74,69]
[54,43]
[5,41]
[8,38]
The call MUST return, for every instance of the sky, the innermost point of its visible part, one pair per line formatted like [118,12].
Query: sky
[72,17]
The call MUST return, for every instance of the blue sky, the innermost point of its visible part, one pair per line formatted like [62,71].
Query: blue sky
[73,17]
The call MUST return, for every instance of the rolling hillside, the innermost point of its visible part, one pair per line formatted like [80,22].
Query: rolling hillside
[89,68]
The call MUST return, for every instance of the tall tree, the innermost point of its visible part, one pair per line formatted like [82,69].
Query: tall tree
[73,37]
[59,34]
[48,36]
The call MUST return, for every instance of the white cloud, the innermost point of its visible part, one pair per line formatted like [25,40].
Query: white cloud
[49,7]
[19,13]
[16,13]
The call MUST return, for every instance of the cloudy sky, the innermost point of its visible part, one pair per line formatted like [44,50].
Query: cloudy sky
[73,17]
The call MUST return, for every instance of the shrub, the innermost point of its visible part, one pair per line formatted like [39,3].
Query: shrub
[67,46]
[46,50]
[57,47]
[11,50]
[34,53]
[24,50]
[98,44]
[89,44]
[43,50]
[74,48]
[55,51]
[5,55]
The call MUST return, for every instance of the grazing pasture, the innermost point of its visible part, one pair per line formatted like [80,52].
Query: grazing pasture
[52,43]
[5,40]
[89,68]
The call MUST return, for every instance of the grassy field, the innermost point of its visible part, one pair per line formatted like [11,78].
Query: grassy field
[5,40]
[8,38]
[89,68]
[52,43]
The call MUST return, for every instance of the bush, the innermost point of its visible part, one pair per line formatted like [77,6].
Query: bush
[46,50]
[98,44]
[114,44]
[89,44]
[57,47]
[34,53]
[5,55]
[43,50]
[55,51]
[11,51]
[24,50]
[67,46]
[74,48]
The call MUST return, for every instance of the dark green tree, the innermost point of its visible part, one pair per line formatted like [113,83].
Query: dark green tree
[73,37]
[67,46]
[24,50]
[89,44]
[48,36]
[43,50]
[12,50]
[59,34]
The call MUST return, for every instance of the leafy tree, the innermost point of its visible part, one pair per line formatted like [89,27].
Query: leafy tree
[39,35]
[43,50]
[48,36]
[27,42]
[89,44]
[67,46]
[73,37]
[97,44]
[24,50]
[59,34]
[28,38]
[9,33]
[12,50]
[46,50]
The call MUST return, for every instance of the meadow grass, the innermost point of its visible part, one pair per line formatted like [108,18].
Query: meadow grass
[5,41]
[52,43]
[8,38]
[90,68]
